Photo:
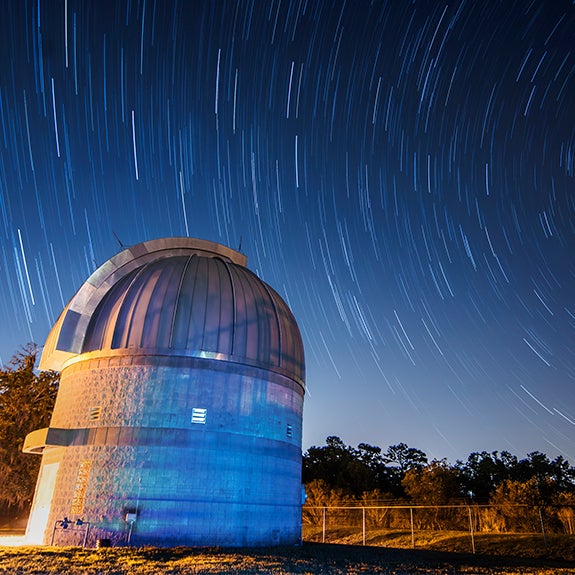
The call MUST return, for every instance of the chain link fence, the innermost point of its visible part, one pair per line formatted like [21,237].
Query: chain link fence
[372,524]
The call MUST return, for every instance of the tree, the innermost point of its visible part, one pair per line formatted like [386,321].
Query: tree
[405,458]
[508,499]
[339,466]
[537,465]
[318,496]
[483,472]
[26,401]
[367,474]
[435,484]
[402,459]
[356,470]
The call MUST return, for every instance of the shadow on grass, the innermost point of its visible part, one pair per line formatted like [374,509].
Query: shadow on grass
[348,556]
[310,558]
[519,545]
[431,558]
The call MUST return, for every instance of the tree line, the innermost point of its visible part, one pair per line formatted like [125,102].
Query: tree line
[400,474]
[499,491]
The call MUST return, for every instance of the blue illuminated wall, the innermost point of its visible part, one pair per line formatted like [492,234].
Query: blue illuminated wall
[233,478]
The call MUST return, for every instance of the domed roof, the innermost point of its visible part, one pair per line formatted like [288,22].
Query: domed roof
[179,297]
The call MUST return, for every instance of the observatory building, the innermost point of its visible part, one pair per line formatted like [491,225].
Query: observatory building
[179,415]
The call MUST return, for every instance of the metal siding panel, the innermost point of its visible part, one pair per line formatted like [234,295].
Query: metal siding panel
[170,303]
[144,305]
[101,327]
[127,313]
[110,327]
[250,318]
[184,306]
[161,304]
[227,305]
[274,325]
[264,319]
[240,327]
[213,306]
[198,310]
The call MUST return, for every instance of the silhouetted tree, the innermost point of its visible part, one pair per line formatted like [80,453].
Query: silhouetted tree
[361,469]
[400,459]
[537,465]
[366,474]
[26,402]
[480,475]
[405,458]
[339,466]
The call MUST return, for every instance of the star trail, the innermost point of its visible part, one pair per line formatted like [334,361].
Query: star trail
[402,173]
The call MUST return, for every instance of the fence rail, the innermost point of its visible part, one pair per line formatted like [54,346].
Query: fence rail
[347,522]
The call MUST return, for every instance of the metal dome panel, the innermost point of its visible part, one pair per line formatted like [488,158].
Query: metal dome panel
[167,297]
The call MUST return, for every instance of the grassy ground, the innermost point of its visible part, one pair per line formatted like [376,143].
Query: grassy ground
[310,558]
[526,545]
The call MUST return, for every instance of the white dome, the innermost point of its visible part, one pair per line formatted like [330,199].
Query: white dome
[180,297]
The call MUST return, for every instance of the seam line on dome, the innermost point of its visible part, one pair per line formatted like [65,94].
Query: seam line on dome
[175,310]
[234,307]
[142,292]
[219,264]
[206,299]
[113,325]
[278,323]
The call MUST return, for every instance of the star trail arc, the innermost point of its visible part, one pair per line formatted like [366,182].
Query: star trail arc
[401,172]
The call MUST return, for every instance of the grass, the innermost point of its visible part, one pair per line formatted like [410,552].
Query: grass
[310,558]
[525,545]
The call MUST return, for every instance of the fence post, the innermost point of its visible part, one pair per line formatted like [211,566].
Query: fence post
[471,529]
[363,524]
[412,534]
[323,526]
[543,528]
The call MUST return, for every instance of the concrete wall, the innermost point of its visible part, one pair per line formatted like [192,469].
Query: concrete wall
[140,442]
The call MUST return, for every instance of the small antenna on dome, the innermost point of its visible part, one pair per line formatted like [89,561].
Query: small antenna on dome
[240,246]
[118,239]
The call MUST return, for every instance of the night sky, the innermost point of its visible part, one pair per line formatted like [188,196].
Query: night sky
[401,172]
